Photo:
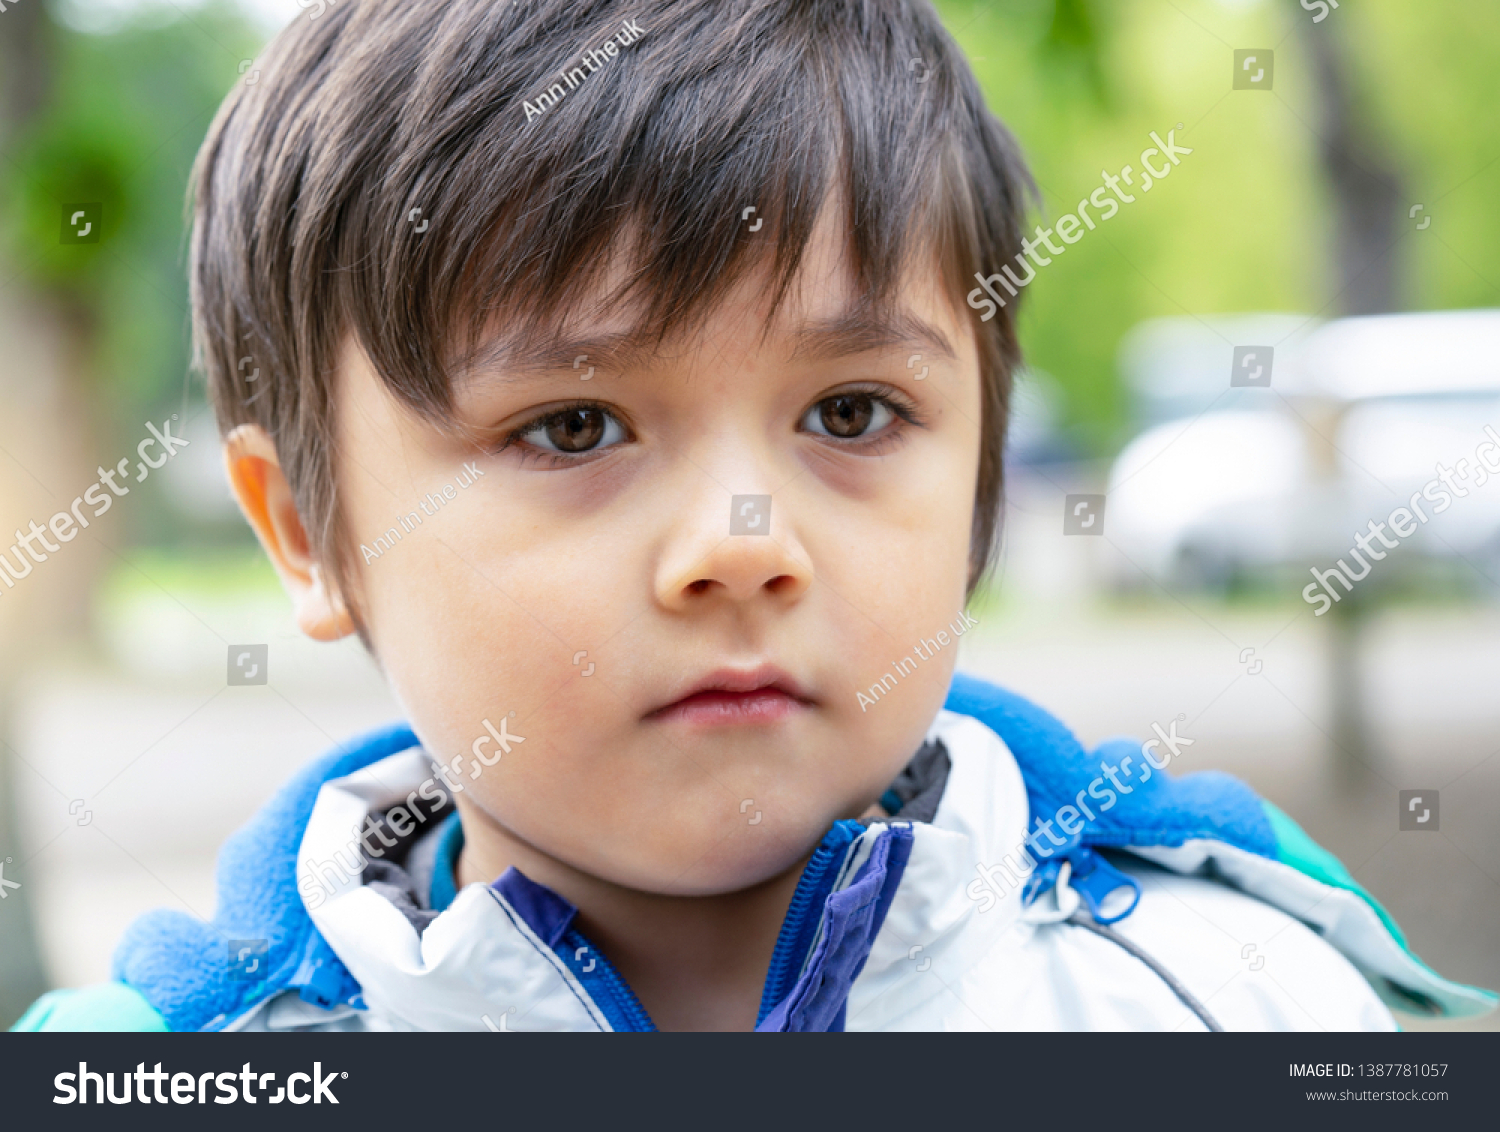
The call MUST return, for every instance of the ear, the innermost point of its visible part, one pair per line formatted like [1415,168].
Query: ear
[260,487]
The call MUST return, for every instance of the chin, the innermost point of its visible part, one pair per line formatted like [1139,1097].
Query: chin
[712,864]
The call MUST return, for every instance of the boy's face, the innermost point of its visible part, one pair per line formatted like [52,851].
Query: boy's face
[590,581]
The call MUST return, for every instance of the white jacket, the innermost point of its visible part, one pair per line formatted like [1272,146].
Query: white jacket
[937,963]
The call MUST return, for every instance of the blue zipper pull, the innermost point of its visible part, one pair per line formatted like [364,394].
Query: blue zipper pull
[1097,881]
[1090,875]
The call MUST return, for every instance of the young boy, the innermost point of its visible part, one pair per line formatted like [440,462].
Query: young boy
[611,369]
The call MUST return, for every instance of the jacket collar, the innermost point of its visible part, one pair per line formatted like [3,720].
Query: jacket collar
[508,955]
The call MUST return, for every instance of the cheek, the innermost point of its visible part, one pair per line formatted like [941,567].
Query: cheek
[480,619]
[899,556]
[485,615]
[895,571]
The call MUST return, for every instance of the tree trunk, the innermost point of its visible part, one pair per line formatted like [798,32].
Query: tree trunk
[24,80]
[1365,186]
[1366,198]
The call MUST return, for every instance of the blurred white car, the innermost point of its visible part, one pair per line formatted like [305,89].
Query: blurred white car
[1357,418]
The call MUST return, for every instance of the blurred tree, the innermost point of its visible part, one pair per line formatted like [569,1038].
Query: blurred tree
[23,66]
[1365,196]
[1365,190]
[95,332]
[24,81]
[1071,49]
[1363,122]
[126,114]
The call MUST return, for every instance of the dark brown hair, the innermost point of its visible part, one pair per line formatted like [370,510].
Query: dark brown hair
[304,191]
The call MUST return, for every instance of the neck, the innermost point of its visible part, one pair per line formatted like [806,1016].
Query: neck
[695,962]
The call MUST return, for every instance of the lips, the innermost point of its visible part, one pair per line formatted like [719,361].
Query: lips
[736,697]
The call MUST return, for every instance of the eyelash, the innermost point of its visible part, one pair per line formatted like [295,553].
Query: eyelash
[901,407]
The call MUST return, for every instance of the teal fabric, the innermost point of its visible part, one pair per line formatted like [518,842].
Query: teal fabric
[1295,848]
[101,1008]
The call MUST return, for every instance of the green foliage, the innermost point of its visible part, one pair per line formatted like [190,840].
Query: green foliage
[123,117]
[1428,76]
[1072,47]
[1244,223]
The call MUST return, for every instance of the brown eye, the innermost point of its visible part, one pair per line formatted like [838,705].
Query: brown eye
[582,428]
[850,415]
[576,430]
[847,415]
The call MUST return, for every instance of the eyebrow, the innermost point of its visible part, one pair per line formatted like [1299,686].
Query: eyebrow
[862,332]
[507,360]
[859,332]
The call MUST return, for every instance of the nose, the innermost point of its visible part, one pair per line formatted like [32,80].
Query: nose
[708,560]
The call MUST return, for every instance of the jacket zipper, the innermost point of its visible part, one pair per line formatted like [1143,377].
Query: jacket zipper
[610,992]
[805,913]
[603,983]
